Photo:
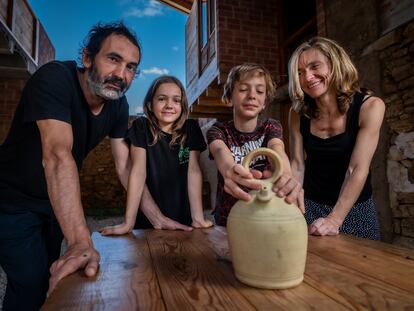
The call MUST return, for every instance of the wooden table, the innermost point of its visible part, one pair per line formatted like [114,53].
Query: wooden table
[167,270]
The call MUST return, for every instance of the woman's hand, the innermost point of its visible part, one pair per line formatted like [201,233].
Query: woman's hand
[324,226]
[116,230]
[288,187]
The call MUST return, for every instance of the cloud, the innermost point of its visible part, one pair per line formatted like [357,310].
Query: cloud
[151,8]
[139,110]
[155,71]
[175,48]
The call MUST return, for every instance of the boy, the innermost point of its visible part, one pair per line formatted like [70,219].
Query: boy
[249,88]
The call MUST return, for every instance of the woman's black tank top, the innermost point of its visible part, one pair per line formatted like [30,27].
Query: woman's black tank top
[327,159]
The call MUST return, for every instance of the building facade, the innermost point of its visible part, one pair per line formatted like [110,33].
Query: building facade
[378,34]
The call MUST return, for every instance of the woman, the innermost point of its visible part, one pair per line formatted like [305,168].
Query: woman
[337,126]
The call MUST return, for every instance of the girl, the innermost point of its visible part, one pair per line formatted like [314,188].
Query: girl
[338,127]
[165,149]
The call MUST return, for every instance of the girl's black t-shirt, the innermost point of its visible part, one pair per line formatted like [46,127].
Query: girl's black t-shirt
[167,169]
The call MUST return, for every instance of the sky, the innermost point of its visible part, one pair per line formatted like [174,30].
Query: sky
[160,30]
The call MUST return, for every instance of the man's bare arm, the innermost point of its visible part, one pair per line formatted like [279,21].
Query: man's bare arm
[64,192]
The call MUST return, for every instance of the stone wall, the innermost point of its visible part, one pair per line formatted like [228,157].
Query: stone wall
[384,58]
[355,25]
[397,55]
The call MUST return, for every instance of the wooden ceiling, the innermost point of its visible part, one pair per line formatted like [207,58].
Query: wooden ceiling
[181,5]
[209,105]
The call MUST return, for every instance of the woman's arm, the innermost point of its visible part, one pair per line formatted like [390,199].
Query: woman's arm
[286,186]
[370,120]
[289,185]
[195,185]
[296,147]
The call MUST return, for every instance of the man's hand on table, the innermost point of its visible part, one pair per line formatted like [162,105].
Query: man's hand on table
[78,256]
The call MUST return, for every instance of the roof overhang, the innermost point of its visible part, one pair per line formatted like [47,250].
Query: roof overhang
[183,6]
[15,61]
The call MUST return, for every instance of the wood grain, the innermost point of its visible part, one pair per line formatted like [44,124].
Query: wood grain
[381,262]
[126,279]
[302,297]
[175,270]
[188,278]
[354,289]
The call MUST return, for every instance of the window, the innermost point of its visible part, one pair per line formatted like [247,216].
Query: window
[206,13]
[204,23]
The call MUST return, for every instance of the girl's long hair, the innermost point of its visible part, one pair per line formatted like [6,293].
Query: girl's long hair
[178,135]
[343,76]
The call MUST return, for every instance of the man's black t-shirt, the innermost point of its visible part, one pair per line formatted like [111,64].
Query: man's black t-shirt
[167,169]
[53,92]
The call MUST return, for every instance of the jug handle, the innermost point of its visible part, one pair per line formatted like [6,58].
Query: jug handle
[272,156]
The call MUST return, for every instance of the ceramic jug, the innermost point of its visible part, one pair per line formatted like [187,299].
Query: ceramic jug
[268,237]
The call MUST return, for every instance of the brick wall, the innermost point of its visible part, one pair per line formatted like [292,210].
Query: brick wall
[10,90]
[248,32]
[320,18]
[46,51]
[102,193]
[100,186]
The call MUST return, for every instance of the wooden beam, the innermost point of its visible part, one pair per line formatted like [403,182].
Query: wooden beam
[209,101]
[218,116]
[211,109]
[214,92]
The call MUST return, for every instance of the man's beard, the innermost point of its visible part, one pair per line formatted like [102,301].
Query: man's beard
[98,85]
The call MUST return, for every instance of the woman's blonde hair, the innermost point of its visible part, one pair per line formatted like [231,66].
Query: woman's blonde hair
[178,135]
[343,76]
[245,71]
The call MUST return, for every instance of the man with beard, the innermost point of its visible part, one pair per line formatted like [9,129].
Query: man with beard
[64,112]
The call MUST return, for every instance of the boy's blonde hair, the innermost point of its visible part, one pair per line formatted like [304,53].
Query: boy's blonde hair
[246,71]
[343,76]
[178,136]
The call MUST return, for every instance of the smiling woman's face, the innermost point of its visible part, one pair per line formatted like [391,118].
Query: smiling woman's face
[314,72]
